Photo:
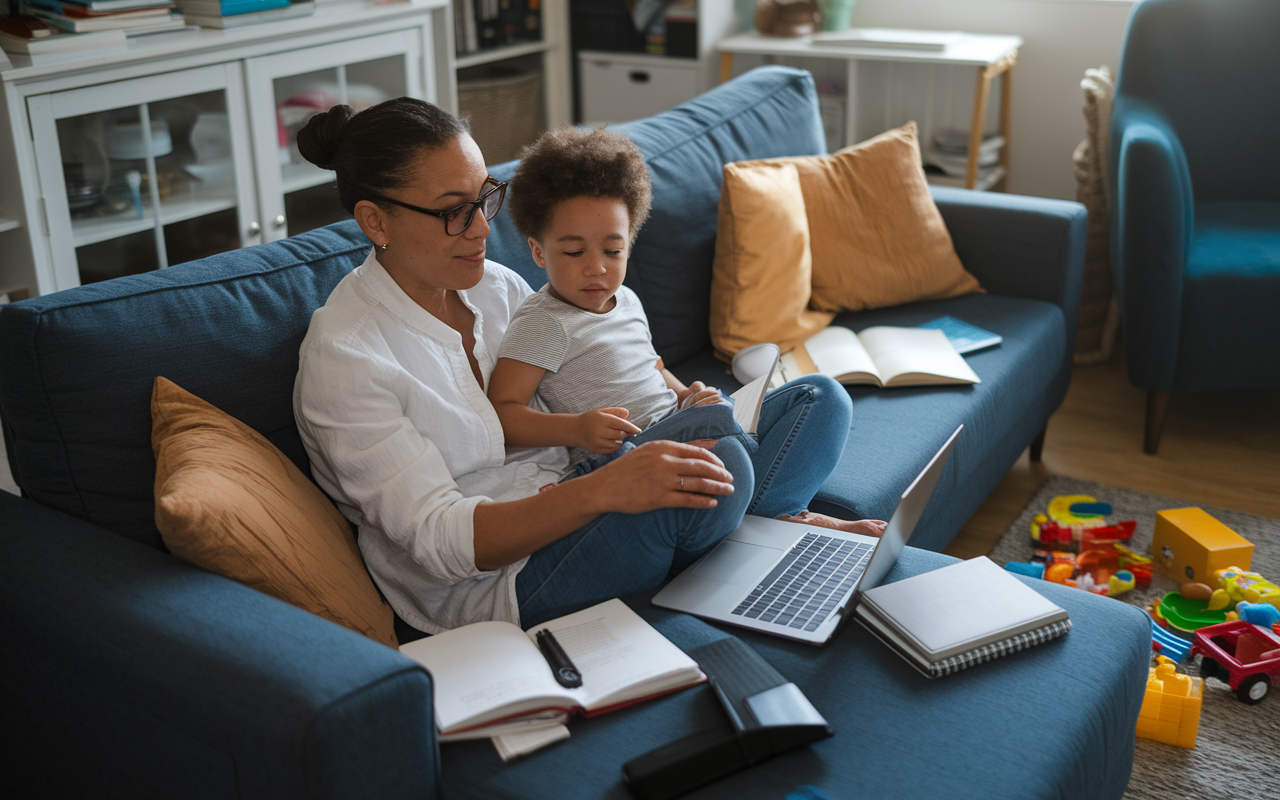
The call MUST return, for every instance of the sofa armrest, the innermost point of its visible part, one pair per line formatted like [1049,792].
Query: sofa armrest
[1020,246]
[130,671]
[1152,219]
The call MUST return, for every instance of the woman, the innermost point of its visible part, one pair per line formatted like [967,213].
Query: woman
[390,401]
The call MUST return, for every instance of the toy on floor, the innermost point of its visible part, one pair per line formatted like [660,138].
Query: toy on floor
[1241,585]
[1244,656]
[1169,645]
[1108,570]
[1190,545]
[1171,706]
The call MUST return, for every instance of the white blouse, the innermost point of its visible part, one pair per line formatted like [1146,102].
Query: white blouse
[401,435]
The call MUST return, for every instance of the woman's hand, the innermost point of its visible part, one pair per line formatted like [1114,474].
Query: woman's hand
[660,475]
[697,394]
[603,430]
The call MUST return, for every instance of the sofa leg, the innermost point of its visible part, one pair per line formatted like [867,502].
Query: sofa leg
[1157,404]
[1037,445]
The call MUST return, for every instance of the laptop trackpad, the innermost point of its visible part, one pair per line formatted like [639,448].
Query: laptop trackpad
[739,563]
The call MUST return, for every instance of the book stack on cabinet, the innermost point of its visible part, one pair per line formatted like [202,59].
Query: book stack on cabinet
[52,28]
[239,13]
[487,24]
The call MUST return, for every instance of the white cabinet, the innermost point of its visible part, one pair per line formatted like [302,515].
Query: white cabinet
[182,144]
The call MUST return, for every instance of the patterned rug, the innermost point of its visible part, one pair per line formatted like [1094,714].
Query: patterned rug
[1237,752]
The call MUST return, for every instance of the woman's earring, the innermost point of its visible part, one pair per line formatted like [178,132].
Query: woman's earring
[383,247]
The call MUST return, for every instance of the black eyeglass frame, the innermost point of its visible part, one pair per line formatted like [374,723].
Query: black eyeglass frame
[452,213]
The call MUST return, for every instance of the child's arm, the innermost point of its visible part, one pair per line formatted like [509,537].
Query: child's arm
[696,394]
[511,387]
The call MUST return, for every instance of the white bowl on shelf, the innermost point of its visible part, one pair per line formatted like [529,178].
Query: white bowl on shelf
[125,141]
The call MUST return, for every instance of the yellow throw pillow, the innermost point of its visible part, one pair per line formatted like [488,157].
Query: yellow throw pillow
[876,236]
[229,501]
[760,279]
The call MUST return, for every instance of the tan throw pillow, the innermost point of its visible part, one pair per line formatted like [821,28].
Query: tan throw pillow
[229,501]
[876,236]
[760,280]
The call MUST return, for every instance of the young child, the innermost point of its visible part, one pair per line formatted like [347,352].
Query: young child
[582,343]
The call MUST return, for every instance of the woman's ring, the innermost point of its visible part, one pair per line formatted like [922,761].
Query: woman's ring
[682,483]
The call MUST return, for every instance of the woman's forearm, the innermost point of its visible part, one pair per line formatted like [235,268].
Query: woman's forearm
[655,475]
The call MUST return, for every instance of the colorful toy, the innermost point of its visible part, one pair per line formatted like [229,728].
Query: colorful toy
[1033,569]
[1052,535]
[1244,656]
[1188,615]
[1188,544]
[1171,707]
[1251,587]
[1258,613]
[1168,645]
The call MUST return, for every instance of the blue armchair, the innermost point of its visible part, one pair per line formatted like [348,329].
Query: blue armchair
[1196,206]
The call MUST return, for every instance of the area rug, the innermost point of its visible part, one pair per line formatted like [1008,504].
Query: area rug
[1237,752]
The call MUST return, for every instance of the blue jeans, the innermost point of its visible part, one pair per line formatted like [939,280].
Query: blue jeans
[714,421]
[801,434]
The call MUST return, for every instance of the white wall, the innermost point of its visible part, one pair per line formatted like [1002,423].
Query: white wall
[1062,38]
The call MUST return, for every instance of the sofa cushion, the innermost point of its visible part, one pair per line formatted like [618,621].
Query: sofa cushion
[760,278]
[229,501]
[772,111]
[227,328]
[876,235]
[981,733]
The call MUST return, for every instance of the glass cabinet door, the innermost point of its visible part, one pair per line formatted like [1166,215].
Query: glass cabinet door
[140,174]
[287,89]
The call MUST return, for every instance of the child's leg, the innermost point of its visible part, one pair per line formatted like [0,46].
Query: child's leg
[802,430]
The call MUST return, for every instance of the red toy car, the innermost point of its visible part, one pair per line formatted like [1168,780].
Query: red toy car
[1243,655]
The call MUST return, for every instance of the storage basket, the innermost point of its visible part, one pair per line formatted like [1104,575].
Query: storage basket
[503,109]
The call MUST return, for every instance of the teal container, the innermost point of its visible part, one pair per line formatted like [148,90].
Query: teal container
[836,14]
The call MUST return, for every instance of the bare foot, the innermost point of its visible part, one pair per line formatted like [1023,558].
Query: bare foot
[867,527]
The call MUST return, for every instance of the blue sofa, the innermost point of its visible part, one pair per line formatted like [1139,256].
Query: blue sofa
[130,672]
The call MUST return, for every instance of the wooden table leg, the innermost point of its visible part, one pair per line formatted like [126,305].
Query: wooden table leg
[1006,121]
[980,94]
[726,66]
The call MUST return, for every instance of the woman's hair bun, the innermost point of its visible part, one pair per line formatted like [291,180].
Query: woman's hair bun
[320,138]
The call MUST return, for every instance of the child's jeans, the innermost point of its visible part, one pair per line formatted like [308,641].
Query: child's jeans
[712,421]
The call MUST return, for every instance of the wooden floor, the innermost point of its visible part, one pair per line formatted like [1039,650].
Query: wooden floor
[1219,448]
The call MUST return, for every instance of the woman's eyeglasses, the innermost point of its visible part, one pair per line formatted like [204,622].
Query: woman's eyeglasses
[458,218]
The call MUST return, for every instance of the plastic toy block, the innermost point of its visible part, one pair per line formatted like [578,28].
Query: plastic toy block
[1171,707]
[1190,545]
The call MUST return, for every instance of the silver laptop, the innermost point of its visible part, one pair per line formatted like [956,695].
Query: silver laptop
[794,580]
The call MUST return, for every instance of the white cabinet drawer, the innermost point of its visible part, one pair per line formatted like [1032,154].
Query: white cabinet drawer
[618,87]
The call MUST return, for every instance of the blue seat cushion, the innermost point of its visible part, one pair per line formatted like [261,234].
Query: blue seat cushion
[1229,299]
[895,431]
[1029,725]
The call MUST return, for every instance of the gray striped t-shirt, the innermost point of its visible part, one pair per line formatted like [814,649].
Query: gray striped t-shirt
[592,360]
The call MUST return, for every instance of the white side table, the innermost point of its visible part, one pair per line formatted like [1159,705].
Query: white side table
[990,55]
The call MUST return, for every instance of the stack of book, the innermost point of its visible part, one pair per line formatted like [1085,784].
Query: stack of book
[87,16]
[484,24]
[950,152]
[31,37]
[238,13]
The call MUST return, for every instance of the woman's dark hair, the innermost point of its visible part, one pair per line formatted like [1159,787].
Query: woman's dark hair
[574,162]
[373,150]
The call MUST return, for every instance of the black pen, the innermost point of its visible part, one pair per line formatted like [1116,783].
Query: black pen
[562,668]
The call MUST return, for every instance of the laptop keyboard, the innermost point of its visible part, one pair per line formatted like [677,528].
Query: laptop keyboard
[805,586]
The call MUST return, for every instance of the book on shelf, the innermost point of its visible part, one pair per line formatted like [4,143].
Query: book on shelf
[88,7]
[61,44]
[881,356]
[103,22]
[959,616]
[229,8]
[889,39]
[965,338]
[491,679]
[288,11]
[486,24]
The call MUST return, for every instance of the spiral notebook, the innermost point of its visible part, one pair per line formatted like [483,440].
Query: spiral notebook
[960,616]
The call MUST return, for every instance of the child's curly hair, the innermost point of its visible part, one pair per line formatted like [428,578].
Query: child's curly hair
[574,162]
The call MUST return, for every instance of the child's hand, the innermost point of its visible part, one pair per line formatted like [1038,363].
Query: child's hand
[603,430]
[697,394]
